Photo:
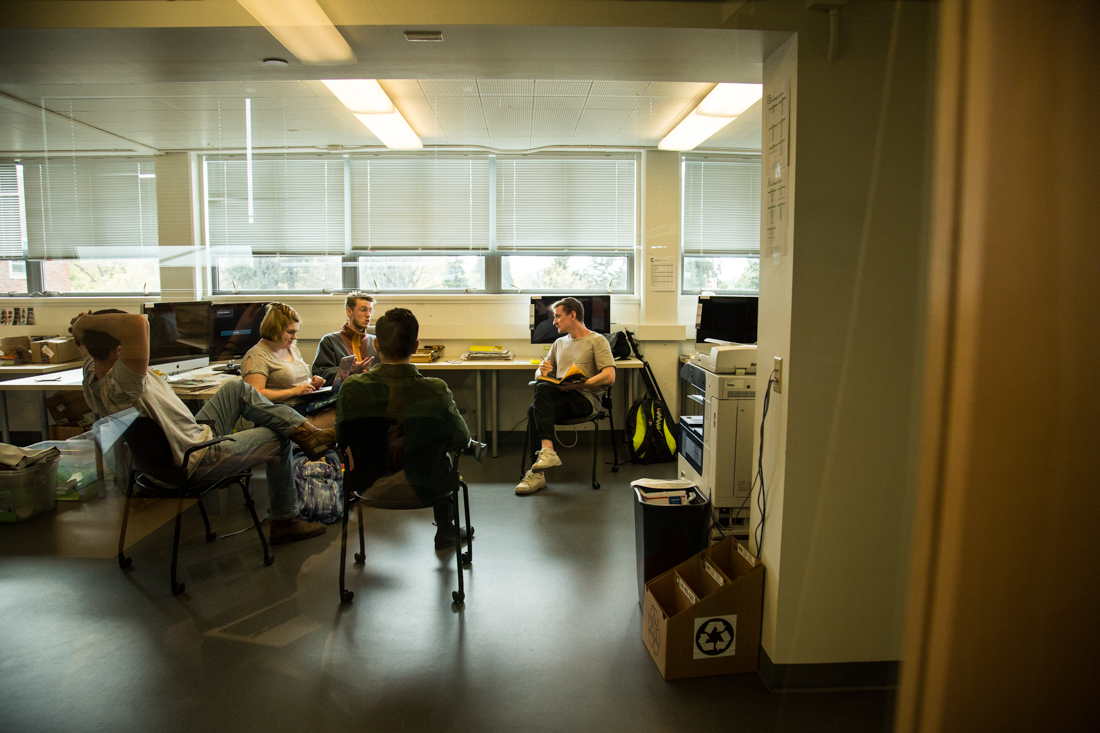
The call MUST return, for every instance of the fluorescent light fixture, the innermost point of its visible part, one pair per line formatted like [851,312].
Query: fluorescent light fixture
[369,102]
[719,108]
[304,29]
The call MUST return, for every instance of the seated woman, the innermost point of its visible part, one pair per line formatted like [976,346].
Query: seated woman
[275,367]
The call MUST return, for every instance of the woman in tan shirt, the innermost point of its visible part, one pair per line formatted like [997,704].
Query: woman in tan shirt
[275,367]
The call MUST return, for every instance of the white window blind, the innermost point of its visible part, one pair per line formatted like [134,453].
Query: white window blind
[90,208]
[297,206]
[405,203]
[721,206]
[11,213]
[557,204]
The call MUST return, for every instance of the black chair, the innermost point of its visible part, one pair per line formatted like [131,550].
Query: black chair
[155,475]
[378,476]
[604,413]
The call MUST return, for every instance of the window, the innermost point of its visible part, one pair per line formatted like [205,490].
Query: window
[566,223]
[420,223]
[13,230]
[282,228]
[721,224]
[93,221]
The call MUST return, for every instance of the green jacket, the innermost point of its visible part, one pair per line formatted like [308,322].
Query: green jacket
[421,419]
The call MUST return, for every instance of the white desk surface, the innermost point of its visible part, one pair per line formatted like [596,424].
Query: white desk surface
[23,370]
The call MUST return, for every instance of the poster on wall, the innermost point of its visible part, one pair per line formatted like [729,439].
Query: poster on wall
[777,211]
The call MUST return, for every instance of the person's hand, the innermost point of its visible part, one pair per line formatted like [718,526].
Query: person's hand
[545,367]
[75,330]
[362,366]
[318,382]
[570,386]
[300,389]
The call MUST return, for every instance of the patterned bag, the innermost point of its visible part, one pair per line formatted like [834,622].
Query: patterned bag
[320,488]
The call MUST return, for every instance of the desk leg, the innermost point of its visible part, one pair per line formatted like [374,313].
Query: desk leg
[4,418]
[45,414]
[496,410]
[480,410]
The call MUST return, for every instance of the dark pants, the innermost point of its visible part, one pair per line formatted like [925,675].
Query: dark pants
[551,406]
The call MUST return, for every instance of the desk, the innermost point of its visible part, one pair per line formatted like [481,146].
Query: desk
[494,367]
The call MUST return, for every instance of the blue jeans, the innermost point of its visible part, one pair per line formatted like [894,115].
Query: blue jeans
[267,442]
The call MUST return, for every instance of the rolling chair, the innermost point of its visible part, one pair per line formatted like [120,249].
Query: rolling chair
[604,413]
[379,476]
[154,474]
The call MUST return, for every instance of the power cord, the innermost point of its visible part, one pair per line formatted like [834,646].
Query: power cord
[761,497]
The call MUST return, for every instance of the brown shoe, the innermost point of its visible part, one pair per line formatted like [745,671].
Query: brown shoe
[312,440]
[292,530]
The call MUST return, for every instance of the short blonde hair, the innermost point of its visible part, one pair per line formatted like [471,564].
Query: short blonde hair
[355,296]
[279,316]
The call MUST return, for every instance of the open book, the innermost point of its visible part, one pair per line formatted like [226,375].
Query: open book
[574,374]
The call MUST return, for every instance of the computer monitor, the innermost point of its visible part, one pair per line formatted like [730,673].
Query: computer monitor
[177,331]
[597,316]
[726,318]
[236,329]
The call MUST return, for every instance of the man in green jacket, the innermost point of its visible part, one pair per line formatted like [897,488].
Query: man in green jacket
[418,413]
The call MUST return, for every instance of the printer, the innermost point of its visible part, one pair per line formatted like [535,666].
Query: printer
[727,358]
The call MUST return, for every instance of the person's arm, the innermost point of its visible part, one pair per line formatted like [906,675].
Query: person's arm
[131,329]
[548,365]
[326,362]
[255,375]
[460,431]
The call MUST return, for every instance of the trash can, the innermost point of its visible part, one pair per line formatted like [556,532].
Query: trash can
[671,519]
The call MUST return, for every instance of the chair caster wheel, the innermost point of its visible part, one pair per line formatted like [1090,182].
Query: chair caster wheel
[595,485]
[269,560]
[360,558]
[458,596]
[178,589]
[614,469]
[211,537]
[465,558]
[125,562]
[346,596]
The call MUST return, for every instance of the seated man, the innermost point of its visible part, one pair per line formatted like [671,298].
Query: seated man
[352,338]
[424,423]
[590,352]
[116,359]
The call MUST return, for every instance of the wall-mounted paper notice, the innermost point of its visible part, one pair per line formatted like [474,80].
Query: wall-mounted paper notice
[662,274]
[776,207]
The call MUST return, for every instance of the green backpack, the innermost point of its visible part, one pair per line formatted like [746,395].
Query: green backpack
[652,435]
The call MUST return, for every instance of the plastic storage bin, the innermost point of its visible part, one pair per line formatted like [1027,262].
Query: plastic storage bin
[665,535]
[28,492]
[77,473]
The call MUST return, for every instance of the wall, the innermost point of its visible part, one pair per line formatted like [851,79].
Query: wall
[841,437]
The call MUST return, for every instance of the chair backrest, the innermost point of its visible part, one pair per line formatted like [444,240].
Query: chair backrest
[150,453]
[399,464]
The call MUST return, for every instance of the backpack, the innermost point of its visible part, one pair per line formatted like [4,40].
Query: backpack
[620,349]
[651,434]
[320,487]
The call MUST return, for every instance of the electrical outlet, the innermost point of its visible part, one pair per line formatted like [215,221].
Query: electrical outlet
[778,368]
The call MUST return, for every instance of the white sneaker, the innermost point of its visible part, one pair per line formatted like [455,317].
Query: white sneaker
[532,482]
[546,458]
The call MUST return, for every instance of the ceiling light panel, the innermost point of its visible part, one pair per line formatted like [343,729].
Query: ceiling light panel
[304,29]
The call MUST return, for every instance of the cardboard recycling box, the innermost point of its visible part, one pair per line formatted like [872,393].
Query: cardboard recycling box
[54,351]
[702,618]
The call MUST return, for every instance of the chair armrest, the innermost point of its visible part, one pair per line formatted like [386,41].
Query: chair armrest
[473,449]
[205,444]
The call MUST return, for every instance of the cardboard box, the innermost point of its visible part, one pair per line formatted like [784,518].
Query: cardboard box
[68,408]
[54,351]
[17,346]
[702,618]
[64,432]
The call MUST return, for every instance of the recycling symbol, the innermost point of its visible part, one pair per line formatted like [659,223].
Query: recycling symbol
[714,637]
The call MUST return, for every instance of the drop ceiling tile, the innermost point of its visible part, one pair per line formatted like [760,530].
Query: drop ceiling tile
[221,88]
[518,120]
[298,103]
[511,143]
[146,104]
[675,89]
[603,118]
[237,103]
[86,104]
[282,89]
[562,88]
[559,102]
[550,140]
[194,103]
[506,87]
[555,121]
[449,87]
[618,88]
[170,89]
[113,90]
[625,103]
[34,92]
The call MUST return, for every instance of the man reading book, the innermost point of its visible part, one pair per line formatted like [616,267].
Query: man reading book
[581,360]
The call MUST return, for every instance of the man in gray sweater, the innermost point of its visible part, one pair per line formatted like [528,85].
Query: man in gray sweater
[352,338]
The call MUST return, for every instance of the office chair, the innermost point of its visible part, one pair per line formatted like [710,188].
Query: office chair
[604,413]
[154,474]
[382,478]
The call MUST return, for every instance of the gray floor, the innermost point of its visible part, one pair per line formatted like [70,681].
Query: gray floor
[549,639]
